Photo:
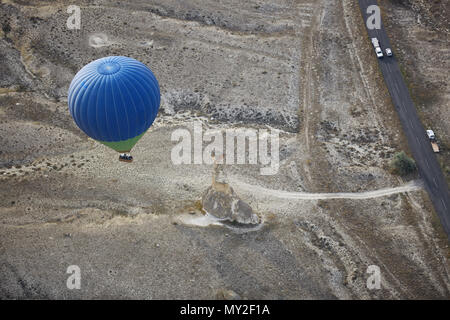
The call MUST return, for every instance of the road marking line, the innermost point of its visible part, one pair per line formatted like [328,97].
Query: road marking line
[434,180]
[443,203]
[428,165]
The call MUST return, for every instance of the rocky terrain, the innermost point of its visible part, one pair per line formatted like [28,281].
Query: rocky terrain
[141,230]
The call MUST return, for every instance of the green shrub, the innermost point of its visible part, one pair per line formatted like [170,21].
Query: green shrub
[402,164]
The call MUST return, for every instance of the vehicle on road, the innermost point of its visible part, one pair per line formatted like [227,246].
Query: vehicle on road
[433,140]
[376,45]
[388,52]
[431,135]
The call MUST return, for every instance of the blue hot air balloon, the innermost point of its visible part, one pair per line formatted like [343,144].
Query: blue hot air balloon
[114,100]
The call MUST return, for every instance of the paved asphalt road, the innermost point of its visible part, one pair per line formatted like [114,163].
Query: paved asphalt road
[419,144]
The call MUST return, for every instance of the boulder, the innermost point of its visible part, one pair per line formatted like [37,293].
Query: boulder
[224,204]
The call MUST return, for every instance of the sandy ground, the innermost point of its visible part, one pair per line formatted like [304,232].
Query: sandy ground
[137,230]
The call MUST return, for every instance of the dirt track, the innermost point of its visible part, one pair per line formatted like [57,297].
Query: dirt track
[264,192]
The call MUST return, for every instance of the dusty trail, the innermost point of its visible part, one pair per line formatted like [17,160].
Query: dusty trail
[265,192]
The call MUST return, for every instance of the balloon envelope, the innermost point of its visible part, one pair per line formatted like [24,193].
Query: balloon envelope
[114,100]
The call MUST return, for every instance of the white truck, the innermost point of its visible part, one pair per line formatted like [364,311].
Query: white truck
[433,141]
[376,45]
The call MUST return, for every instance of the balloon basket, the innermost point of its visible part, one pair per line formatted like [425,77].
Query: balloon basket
[128,159]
